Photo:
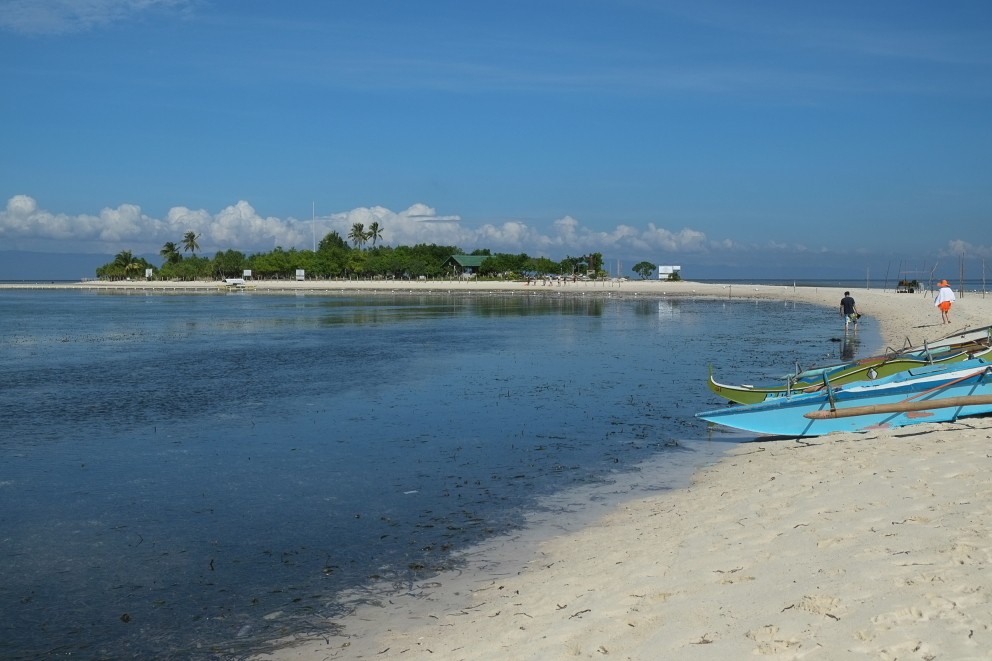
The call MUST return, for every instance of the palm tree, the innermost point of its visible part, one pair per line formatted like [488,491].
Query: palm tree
[170,252]
[358,235]
[126,262]
[189,242]
[374,233]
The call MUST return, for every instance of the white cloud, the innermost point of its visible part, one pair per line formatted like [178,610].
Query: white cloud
[23,222]
[68,16]
[959,248]
[26,226]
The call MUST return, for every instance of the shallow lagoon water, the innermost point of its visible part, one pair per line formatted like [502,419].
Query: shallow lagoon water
[192,476]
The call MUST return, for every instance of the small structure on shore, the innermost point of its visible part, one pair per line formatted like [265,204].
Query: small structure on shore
[464,264]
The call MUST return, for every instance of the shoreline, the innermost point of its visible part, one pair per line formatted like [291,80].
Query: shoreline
[871,544]
[904,319]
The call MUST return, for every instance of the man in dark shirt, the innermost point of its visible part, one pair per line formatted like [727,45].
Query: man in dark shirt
[849,310]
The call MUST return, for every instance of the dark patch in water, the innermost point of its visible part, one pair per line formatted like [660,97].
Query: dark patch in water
[190,477]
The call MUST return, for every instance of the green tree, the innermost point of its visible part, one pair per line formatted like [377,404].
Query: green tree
[503,264]
[336,258]
[330,241]
[408,263]
[229,264]
[357,262]
[374,233]
[306,260]
[128,263]
[332,255]
[124,259]
[275,264]
[170,252]
[578,265]
[189,242]
[357,235]
[595,260]
[380,262]
[327,265]
[125,265]
[194,268]
[643,269]
[544,266]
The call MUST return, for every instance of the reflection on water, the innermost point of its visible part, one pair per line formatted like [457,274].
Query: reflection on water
[384,309]
[192,476]
[849,347]
[661,308]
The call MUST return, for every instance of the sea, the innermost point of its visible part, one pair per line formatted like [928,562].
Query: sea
[194,476]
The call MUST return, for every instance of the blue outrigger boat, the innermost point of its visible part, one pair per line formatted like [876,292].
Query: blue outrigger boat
[931,393]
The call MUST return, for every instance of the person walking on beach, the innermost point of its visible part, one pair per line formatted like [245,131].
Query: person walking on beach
[849,310]
[945,297]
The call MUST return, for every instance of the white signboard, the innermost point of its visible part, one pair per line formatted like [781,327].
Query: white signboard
[300,274]
[148,273]
[246,274]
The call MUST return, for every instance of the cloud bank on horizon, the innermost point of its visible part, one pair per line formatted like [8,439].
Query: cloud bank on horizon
[26,226]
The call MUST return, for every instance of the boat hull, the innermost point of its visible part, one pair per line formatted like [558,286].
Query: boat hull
[868,369]
[925,394]
[980,334]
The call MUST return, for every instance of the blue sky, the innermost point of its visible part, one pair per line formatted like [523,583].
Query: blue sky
[758,138]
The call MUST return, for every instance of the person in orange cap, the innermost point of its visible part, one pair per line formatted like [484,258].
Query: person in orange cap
[945,297]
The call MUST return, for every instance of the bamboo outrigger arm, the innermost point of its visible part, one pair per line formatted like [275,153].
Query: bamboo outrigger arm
[901,407]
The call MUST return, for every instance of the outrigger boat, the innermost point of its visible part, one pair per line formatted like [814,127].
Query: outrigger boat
[931,393]
[980,334]
[951,349]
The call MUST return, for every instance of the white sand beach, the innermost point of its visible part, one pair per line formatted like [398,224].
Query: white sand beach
[874,545]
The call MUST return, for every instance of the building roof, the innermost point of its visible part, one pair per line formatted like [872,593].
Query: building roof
[469,261]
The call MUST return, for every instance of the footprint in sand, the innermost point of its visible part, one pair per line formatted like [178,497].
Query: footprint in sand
[899,617]
[829,542]
[967,554]
[911,649]
[770,641]
[820,605]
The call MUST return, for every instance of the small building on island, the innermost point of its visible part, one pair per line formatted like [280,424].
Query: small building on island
[464,265]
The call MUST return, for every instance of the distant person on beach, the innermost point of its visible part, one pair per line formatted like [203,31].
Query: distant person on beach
[945,297]
[849,310]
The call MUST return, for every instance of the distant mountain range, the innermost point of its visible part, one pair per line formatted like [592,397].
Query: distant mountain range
[34,266]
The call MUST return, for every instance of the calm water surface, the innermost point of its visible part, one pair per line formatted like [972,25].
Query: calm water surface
[192,476]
